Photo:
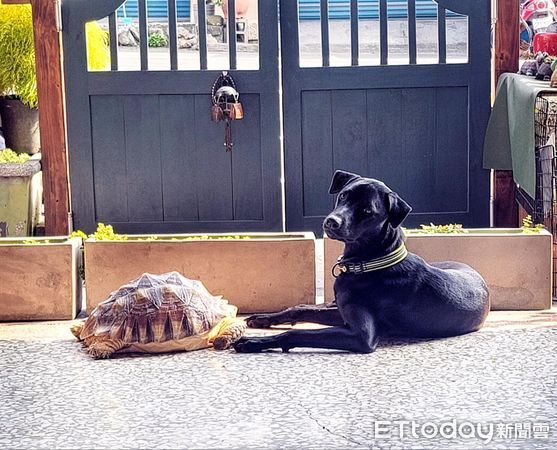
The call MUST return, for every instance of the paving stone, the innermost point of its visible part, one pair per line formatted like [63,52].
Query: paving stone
[53,395]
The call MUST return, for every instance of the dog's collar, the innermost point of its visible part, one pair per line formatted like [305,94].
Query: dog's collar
[389,260]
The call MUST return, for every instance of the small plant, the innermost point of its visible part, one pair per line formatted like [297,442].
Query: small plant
[36,241]
[106,233]
[451,228]
[8,156]
[18,77]
[528,226]
[157,40]
[149,238]
[79,234]
[214,238]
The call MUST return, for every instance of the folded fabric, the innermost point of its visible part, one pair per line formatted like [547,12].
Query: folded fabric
[510,140]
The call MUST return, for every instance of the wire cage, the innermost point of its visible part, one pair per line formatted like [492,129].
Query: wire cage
[545,119]
[543,208]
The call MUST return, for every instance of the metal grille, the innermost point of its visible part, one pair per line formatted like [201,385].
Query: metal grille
[544,207]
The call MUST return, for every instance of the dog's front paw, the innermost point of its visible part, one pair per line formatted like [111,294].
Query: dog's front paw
[253,344]
[261,321]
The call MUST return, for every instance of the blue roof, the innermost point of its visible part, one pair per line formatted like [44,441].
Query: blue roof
[155,8]
[367,9]
[309,9]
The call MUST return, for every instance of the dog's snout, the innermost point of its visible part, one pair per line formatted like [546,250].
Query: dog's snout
[332,223]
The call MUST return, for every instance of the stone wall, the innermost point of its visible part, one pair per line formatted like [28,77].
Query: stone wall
[128,35]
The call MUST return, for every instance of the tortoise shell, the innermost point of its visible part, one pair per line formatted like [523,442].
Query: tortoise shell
[154,309]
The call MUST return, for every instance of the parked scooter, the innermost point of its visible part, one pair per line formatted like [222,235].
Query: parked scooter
[535,17]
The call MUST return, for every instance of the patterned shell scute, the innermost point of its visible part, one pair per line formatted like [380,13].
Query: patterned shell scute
[157,308]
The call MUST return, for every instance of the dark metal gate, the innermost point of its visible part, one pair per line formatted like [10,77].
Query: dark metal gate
[144,155]
[418,127]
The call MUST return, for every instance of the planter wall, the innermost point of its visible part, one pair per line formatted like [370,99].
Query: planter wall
[516,266]
[40,281]
[264,274]
[20,197]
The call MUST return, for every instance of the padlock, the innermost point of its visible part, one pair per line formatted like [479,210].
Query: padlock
[217,115]
[236,111]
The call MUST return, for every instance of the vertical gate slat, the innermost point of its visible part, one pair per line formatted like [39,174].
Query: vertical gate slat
[325,33]
[383,30]
[109,158]
[385,138]
[172,34]
[412,31]
[214,170]
[143,35]
[354,37]
[232,33]
[143,167]
[442,34]
[178,143]
[113,36]
[247,194]
[202,30]
[317,136]
[290,33]
[349,114]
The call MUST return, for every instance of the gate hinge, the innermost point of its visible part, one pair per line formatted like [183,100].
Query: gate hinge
[58,7]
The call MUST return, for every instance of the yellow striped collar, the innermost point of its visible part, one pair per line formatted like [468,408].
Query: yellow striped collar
[396,256]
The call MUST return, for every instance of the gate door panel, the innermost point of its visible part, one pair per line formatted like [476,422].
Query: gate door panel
[144,154]
[412,119]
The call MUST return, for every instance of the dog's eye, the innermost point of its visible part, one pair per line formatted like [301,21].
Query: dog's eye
[368,211]
[342,196]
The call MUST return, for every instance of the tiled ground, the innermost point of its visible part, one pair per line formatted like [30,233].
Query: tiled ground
[53,395]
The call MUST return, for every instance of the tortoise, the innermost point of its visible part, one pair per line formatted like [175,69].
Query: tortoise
[158,314]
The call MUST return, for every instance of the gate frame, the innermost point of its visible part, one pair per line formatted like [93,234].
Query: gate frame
[50,81]
[80,83]
[293,74]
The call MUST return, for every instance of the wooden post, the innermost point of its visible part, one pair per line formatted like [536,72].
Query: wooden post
[506,55]
[52,122]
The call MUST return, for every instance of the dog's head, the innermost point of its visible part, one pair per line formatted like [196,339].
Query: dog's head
[364,209]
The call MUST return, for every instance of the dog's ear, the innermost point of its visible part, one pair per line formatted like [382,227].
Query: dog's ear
[398,209]
[341,179]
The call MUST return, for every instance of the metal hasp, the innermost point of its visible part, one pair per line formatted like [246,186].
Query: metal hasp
[226,105]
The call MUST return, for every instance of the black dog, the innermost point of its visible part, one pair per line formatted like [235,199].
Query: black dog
[381,289]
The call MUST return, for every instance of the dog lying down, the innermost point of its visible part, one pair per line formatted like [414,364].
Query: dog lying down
[381,289]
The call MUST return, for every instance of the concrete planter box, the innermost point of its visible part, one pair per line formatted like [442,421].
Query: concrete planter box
[516,266]
[40,281]
[20,197]
[265,273]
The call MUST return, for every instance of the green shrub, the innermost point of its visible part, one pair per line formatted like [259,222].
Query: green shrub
[9,156]
[98,47]
[528,226]
[157,40]
[451,228]
[18,77]
[106,233]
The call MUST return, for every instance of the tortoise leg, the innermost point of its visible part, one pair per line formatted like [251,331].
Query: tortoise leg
[77,329]
[229,335]
[105,348]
